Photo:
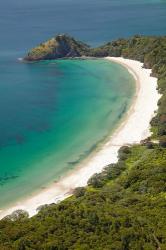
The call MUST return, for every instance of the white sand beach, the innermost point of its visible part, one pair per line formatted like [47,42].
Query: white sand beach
[134,128]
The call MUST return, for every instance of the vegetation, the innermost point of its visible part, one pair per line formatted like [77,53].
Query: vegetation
[122,208]
[57,47]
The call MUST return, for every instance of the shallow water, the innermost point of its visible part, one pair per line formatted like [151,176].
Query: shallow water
[56,118]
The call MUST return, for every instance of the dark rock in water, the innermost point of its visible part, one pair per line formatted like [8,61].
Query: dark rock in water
[61,46]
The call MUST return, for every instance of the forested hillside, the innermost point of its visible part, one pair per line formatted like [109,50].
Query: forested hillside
[124,207]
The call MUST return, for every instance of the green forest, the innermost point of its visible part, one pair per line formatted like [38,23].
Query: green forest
[122,208]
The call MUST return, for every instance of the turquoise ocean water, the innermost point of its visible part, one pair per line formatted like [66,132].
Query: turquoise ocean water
[53,114]
[56,118]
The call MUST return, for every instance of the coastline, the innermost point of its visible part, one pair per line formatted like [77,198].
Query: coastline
[136,120]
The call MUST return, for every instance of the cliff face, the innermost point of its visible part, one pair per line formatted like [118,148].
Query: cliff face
[61,46]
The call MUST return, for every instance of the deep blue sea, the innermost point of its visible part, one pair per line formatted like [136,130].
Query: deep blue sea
[53,114]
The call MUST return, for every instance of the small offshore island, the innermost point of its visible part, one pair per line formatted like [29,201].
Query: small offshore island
[123,205]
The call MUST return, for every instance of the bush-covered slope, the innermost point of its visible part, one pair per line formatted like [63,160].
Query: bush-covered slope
[58,47]
[123,208]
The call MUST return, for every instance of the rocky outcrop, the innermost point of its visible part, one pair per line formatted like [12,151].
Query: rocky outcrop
[61,46]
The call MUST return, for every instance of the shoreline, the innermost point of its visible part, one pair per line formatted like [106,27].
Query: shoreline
[134,127]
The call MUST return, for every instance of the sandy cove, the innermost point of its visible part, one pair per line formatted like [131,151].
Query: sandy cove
[134,128]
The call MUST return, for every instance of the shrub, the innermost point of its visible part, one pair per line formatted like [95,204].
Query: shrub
[79,191]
